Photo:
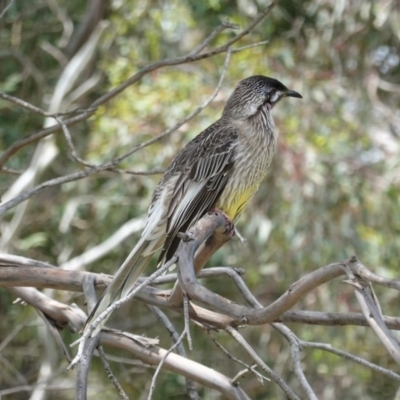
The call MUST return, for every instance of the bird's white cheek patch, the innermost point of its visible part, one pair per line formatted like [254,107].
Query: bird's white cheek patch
[275,97]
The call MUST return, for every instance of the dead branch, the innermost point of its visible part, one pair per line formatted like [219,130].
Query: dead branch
[371,309]
[207,234]
[74,318]
[175,363]
[55,278]
[351,357]
[200,232]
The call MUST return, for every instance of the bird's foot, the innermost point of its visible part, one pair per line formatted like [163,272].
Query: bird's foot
[185,236]
[229,225]
[242,239]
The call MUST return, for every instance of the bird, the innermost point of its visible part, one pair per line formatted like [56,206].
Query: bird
[221,168]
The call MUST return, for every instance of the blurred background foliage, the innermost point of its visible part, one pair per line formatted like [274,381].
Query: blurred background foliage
[332,191]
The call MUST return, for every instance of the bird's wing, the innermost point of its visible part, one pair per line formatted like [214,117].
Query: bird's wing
[189,188]
[199,174]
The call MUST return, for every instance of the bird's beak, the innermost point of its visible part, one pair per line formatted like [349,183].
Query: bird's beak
[292,93]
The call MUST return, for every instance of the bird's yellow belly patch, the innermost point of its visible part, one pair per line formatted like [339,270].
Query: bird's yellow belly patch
[233,204]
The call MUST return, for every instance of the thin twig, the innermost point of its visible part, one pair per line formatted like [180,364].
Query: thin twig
[170,350]
[48,184]
[24,103]
[250,368]
[156,171]
[133,79]
[244,372]
[19,144]
[295,356]
[249,46]
[184,59]
[55,332]
[110,374]
[186,315]
[274,376]
[11,171]
[111,164]
[114,306]
[71,146]
[169,326]
[193,114]
[190,384]
[82,373]
[6,8]
[352,357]
[212,36]
[37,110]
[100,250]
[371,309]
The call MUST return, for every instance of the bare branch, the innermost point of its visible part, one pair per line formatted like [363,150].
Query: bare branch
[143,173]
[135,78]
[6,8]
[48,184]
[110,374]
[100,250]
[50,277]
[287,333]
[175,363]
[24,104]
[109,165]
[183,121]
[186,315]
[274,376]
[71,146]
[348,356]
[158,369]
[43,275]
[371,310]
[184,59]
[93,326]
[71,317]
[295,350]
[12,259]
[200,232]
[212,36]
[249,46]
[74,317]
[19,144]
[10,171]
[82,373]
[333,319]
[248,368]
[358,268]
[190,385]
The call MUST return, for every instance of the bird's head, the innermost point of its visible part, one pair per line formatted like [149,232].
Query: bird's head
[256,94]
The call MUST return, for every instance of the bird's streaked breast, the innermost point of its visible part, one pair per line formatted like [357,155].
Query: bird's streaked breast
[254,151]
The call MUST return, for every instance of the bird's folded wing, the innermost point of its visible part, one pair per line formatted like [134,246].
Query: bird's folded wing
[203,169]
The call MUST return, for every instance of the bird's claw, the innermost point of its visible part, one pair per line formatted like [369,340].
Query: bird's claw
[186,237]
[229,225]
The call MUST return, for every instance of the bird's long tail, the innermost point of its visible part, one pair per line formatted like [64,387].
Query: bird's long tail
[124,280]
